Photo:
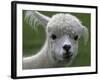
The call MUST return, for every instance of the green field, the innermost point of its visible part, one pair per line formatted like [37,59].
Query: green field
[33,40]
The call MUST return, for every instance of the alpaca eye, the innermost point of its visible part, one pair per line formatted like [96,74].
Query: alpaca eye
[76,37]
[53,36]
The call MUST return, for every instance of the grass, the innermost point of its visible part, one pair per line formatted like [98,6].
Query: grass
[34,40]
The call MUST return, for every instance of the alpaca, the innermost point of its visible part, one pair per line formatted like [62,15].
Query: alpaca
[61,46]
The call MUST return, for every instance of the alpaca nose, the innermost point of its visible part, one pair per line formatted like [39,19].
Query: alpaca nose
[66,47]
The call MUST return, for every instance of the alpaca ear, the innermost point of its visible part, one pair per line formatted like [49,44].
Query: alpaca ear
[85,35]
[34,17]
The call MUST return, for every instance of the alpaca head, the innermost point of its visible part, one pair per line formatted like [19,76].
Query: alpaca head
[63,32]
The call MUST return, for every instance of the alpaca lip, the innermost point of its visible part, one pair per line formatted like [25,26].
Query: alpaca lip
[68,56]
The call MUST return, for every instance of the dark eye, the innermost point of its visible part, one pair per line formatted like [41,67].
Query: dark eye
[76,37]
[53,36]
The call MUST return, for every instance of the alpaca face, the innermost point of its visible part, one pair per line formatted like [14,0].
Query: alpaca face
[63,47]
[63,33]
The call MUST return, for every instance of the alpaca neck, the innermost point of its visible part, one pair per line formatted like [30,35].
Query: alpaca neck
[45,55]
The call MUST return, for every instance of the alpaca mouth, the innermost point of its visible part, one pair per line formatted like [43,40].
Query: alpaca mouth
[67,55]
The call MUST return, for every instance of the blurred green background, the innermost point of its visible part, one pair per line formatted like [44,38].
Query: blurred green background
[33,40]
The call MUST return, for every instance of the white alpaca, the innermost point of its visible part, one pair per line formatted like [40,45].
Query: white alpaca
[61,45]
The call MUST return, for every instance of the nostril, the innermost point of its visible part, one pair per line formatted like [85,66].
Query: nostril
[66,47]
